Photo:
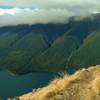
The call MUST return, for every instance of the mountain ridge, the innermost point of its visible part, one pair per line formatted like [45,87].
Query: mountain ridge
[82,85]
[52,43]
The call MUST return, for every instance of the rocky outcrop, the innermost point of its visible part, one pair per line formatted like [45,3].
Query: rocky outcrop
[82,85]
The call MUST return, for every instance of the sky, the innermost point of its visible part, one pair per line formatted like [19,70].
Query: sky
[14,12]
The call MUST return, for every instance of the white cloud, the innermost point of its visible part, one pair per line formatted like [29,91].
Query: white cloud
[45,11]
[7,11]
[33,16]
[50,3]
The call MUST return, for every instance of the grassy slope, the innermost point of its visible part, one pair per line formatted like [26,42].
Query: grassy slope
[21,45]
[88,54]
[26,48]
[28,52]
[54,58]
[82,85]
[6,41]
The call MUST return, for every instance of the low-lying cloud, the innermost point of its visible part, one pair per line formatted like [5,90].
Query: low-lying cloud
[33,16]
[45,11]
[51,3]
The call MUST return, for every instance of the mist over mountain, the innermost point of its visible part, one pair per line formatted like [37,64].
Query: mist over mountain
[47,11]
[43,38]
[49,47]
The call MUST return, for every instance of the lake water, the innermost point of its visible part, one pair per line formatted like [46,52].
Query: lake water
[14,85]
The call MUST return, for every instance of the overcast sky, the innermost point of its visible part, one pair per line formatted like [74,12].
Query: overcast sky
[13,12]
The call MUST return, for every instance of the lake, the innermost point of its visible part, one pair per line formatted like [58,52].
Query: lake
[15,85]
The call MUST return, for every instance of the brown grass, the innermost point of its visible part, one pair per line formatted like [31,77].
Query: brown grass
[82,85]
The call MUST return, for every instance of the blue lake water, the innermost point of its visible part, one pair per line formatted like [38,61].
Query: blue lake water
[15,85]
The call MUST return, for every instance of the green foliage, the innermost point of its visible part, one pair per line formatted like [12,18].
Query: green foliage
[23,50]
[55,57]
[48,47]
[88,54]
[6,41]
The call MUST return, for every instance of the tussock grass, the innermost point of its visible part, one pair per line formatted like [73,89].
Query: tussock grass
[82,85]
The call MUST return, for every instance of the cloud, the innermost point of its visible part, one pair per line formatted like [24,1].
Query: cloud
[45,11]
[32,16]
[7,11]
[50,3]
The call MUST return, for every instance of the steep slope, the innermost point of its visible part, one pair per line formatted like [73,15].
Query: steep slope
[26,48]
[20,44]
[57,55]
[18,58]
[63,47]
[82,85]
[6,40]
[88,53]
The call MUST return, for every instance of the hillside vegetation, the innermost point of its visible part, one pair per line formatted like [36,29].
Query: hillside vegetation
[50,47]
[20,54]
[57,55]
[88,54]
[82,85]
